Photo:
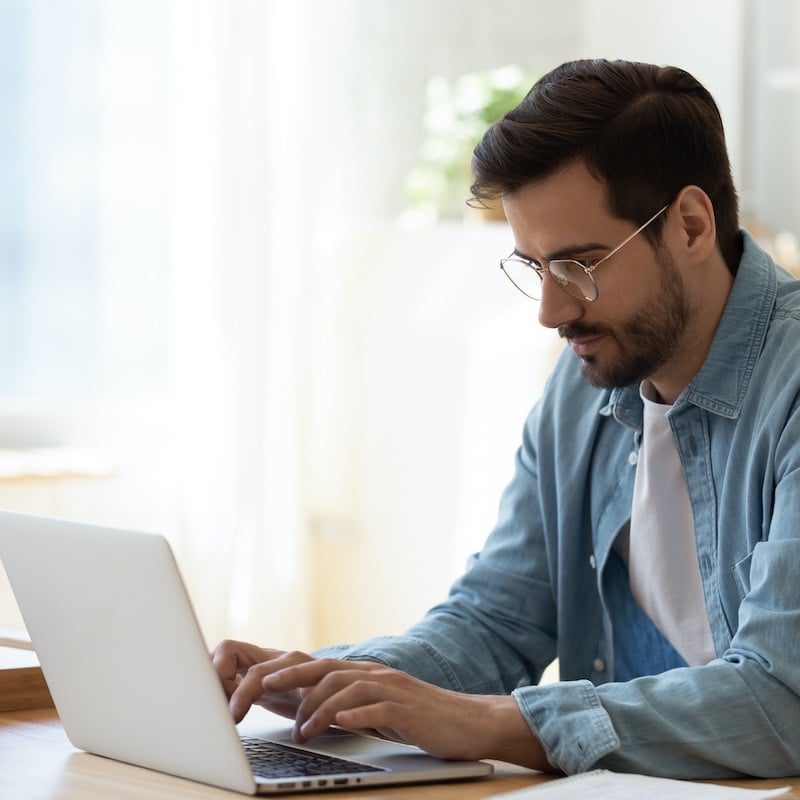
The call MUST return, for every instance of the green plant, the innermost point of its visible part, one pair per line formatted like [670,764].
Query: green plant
[456,116]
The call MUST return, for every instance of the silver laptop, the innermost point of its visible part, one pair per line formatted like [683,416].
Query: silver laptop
[132,680]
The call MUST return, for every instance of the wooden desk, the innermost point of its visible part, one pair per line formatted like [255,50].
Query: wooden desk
[37,761]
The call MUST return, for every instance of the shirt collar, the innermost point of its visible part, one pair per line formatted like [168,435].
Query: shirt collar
[724,378]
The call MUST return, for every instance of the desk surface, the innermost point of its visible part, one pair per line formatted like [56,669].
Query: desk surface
[37,760]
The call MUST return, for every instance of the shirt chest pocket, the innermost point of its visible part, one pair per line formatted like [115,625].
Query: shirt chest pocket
[741,574]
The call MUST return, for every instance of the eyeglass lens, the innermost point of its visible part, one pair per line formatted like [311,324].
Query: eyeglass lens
[569,275]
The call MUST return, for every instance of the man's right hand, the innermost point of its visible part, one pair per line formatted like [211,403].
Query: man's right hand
[242,667]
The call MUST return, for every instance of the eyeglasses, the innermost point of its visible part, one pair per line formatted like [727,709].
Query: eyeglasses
[574,276]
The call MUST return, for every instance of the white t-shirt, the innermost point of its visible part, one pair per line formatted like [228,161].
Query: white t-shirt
[662,553]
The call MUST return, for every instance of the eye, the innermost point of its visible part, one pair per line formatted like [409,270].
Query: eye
[528,262]
[587,263]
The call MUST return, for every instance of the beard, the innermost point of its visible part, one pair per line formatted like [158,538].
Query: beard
[647,340]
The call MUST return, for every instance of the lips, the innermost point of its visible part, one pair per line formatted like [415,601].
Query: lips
[584,345]
[583,342]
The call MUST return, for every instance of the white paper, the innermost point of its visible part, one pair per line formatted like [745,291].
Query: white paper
[602,784]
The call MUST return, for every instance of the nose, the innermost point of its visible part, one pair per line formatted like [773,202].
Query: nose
[556,307]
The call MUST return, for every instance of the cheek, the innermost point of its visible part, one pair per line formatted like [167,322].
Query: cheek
[627,289]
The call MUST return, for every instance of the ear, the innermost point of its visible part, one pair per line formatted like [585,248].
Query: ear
[697,229]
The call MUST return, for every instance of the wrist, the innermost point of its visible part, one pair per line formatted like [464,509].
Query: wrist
[508,735]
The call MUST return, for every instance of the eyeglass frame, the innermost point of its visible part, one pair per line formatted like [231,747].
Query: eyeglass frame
[585,264]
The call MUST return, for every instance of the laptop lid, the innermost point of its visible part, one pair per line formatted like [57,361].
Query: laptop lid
[130,674]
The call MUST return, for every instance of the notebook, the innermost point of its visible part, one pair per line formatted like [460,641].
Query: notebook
[131,677]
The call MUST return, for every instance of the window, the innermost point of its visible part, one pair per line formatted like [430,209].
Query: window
[84,200]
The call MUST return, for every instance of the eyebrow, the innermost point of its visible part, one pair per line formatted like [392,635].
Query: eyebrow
[566,252]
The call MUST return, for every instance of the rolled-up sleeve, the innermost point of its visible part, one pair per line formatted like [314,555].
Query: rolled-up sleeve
[570,723]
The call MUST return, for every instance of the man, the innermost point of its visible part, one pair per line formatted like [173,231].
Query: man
[649,537]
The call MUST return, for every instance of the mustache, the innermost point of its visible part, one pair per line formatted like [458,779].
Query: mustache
[574,331]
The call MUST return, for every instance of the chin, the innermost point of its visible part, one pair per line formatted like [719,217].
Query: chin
[616,376]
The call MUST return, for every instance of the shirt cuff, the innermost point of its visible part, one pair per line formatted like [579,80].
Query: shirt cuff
[569,722]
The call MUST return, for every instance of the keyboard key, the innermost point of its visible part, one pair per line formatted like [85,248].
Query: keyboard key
[272,760]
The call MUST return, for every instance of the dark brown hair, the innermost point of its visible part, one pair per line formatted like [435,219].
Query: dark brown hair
[645,131]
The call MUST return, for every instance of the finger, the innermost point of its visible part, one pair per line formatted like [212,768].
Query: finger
[294,673]
[339,691]
[384,717]
[247,692]
[230,657]
[251,689]
[225,659]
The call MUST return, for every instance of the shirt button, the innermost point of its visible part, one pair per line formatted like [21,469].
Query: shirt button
[598,665]
[592,561]
[633,458]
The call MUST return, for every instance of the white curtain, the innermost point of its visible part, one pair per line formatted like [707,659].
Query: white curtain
[319,347]
[239,313]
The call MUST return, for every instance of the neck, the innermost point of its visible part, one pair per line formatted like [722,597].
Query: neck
[692,350]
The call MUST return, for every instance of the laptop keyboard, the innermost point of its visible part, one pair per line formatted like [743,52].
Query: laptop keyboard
[271,760]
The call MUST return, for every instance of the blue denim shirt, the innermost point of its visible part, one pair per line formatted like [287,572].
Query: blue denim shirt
[536,591]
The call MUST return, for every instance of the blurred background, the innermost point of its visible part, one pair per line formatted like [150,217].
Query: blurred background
[242,301]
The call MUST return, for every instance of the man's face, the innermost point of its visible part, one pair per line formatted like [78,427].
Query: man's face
[638,323]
